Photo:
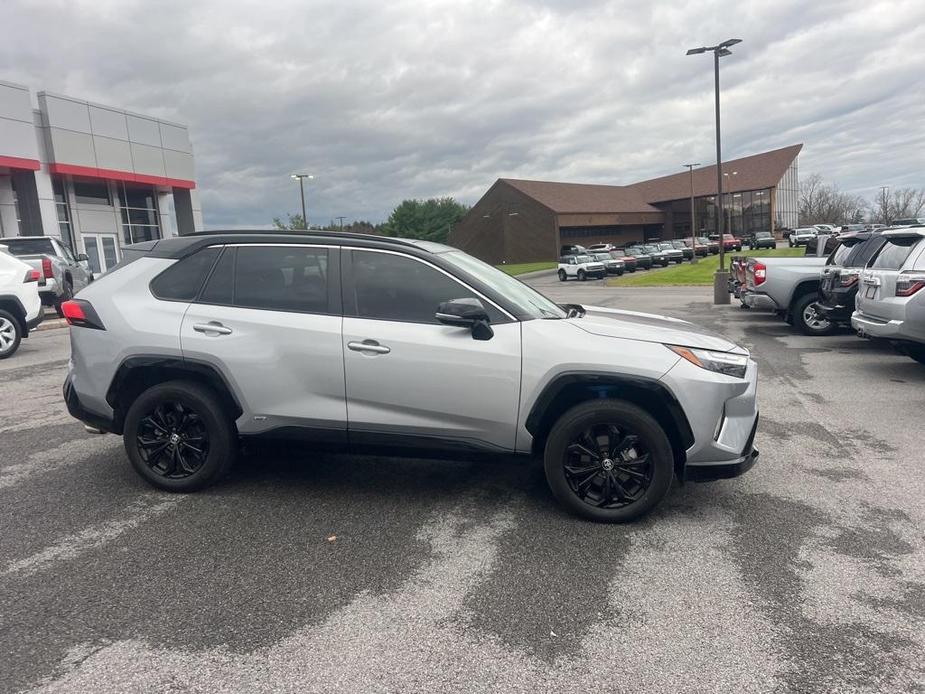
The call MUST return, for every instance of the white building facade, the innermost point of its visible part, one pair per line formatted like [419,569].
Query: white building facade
[96,177]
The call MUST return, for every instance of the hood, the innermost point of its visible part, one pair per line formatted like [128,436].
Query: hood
[649,327]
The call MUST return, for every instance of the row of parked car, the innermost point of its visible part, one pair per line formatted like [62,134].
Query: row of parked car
[871,281]
[602,259]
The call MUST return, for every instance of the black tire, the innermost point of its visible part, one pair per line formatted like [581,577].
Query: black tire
[620,272]
[67,294]
[10,334]
[632,269]
[807,320]
[200,419]
[582,276]
[568,468]
[790,242]
[562,276]
[916,352]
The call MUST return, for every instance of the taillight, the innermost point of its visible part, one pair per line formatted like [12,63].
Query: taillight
[848,278]
[81,314]
[760,273]
[909,282]
[46,268]
[32,276]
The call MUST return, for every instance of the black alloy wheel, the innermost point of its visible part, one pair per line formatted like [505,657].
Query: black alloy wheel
[607,467]
[179,437]
[172,440]
[582,276]
[562,276]
[608,460]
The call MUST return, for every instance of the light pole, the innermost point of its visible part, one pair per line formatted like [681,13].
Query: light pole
[721,278]
[690,169]
[301,179]
[341,220]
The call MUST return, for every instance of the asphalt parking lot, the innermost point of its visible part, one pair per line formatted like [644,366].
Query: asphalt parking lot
[325,573]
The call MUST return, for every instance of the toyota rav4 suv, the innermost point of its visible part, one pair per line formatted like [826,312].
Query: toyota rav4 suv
[373,344]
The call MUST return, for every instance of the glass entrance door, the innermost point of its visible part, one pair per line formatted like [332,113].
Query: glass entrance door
[102,250]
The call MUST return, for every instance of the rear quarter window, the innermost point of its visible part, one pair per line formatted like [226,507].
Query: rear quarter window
[182,280]
[894,253]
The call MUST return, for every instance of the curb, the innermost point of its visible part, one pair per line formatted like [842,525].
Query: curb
[50,324]
[536,273]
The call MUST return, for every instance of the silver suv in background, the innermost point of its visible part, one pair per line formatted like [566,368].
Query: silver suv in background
[365,343]
[891,295]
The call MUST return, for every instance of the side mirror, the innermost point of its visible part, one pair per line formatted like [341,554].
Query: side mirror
[466,313]
[83,257]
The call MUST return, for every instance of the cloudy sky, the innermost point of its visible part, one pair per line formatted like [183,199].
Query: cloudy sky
[383,101]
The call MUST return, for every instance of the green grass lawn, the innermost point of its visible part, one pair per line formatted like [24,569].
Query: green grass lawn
[689,273]
[521,268]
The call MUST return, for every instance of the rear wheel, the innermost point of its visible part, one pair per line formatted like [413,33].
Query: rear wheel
[178,436]
[808,319]
[562,276]
[608,460]
[67,293]
[10,334]
[582,276]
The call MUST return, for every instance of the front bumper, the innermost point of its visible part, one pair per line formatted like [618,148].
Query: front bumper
[754,299]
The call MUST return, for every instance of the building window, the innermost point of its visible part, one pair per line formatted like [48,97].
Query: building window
[92,193]
[140,218]
[787,199]
[65,229]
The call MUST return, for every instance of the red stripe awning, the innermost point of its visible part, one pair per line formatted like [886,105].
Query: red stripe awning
[115,175]
[20,163]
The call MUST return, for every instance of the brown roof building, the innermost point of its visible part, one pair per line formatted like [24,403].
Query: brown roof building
[519,221]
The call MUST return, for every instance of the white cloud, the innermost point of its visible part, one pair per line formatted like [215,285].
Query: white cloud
[383,101]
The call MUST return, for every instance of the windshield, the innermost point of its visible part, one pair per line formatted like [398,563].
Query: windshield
[703,239]
[763,235]
[527,299]
[651,249]
[21,246]
[666,246]
[618,254]
[838,255]
[602,256]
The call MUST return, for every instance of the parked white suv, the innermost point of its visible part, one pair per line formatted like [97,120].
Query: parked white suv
[365,343]
[20,305]
[890,303]
[581,267]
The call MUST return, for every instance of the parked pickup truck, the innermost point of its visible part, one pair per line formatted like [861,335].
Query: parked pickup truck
[63,273]
[788,286]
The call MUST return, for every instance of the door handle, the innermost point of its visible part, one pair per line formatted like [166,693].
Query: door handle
[368,346]
[212,327]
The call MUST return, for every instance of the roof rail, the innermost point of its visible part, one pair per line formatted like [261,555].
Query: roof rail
[304,232]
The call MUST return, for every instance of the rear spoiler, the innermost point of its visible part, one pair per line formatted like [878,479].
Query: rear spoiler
[907,233]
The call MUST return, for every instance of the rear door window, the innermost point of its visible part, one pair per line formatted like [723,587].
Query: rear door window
[894,253]
[284,278]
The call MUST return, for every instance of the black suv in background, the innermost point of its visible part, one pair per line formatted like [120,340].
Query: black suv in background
[839,285]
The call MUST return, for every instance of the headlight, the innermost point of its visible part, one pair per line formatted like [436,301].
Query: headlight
[720,362]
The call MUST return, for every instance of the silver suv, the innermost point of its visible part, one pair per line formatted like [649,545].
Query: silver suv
[393,346]
[890,303]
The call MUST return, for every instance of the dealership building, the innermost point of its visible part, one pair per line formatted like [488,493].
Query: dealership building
[518,221]
[95,176]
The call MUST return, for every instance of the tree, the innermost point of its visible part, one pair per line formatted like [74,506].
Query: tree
[293,222]
[903,202]
[822,202]
[430,219]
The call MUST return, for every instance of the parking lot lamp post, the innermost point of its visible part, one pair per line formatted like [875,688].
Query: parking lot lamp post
[301,179]
[721,278]
[690,168]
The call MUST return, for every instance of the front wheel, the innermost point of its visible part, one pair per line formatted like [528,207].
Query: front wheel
[10,334]
[582,276]
[178,436]
[562,276]
[807,318]
[608,460]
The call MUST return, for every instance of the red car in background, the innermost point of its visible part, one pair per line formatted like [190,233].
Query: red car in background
[731,243]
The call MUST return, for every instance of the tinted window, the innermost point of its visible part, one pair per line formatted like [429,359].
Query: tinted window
[91,193]
[894,253]
[864,251]
[398,288]
[24,246]
[220,287]
[182,280]
[282,278]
